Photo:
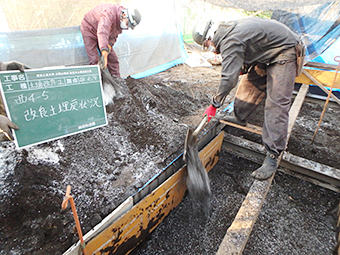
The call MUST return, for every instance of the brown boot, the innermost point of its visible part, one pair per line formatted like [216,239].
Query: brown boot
[267,169]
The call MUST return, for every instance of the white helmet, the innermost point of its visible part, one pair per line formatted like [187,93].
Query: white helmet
[134,17]
[200,31]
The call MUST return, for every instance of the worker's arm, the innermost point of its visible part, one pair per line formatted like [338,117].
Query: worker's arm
[232,61]
[103,30]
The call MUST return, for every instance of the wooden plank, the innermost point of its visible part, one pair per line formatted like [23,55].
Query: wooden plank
[329,173]
[320,86]
[312,180]
[311,171]
[250,127]
[238,233]
[131,228]
[323,77]
[321,65]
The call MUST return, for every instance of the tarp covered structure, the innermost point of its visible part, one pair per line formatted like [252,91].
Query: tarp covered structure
[317,22]
[155,44]
[264,5]
[318,25]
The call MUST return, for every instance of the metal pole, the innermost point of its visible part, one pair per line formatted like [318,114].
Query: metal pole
[337,59]
[64,204]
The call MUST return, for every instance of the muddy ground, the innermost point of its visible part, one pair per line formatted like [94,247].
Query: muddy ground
[147,123]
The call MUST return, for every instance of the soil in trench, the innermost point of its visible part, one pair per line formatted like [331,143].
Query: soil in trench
[147,122]
[297,217]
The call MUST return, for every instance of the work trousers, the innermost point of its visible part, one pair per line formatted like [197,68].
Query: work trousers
[276,84]
[91,47]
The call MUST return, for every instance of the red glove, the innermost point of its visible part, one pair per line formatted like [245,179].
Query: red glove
[210,111]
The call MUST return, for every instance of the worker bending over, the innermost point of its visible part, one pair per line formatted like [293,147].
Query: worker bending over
[100,28]
[266,51]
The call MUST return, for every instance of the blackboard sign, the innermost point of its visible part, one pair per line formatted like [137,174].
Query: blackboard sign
[51,103]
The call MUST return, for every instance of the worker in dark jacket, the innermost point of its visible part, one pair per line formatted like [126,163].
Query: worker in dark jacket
[100,28]
[265,50]
[5,124]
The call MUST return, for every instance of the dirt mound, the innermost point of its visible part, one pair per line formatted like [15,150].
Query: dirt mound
[104,167]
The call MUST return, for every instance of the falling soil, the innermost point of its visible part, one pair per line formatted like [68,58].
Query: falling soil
[146,125]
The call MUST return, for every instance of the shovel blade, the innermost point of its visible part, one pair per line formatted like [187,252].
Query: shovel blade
[197,180]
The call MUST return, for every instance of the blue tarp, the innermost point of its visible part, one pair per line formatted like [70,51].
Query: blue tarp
[319,28]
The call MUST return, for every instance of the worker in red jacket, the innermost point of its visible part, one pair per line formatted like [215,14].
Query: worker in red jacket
[266,51]
[100,28]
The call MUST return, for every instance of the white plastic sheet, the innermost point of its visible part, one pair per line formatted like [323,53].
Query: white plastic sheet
[155,41]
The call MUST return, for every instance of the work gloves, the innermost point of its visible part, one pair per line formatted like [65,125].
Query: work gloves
[103,59]
[13,65]
[5,128]
[5,123]
[210,112]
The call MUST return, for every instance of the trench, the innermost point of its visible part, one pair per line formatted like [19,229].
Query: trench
[105,166]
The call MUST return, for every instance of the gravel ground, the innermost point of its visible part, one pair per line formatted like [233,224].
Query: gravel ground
[107,165]
[297,217]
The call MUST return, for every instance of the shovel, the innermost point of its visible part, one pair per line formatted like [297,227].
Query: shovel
[197,180]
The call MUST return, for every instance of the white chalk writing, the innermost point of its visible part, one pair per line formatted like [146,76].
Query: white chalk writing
[22,99]
[14,77]
[62,107]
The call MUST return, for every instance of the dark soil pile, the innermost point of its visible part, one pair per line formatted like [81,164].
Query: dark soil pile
[146,124]
[103,166]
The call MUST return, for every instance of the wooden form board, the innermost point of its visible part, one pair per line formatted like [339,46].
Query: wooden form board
[324,77]
[249,127]
[238,233]
[322,87]
[125,233]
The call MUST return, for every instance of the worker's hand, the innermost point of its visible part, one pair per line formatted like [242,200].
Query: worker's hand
[14,65]
[210,112]
[103,58]
[5,126]
[110,48]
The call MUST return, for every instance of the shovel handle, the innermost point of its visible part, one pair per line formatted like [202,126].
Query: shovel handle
[201,125]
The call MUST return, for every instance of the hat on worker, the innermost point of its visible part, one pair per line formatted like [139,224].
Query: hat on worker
[134,17]
[200,32]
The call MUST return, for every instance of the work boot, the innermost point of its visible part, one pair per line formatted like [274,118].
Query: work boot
[267,169]
[235,120]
